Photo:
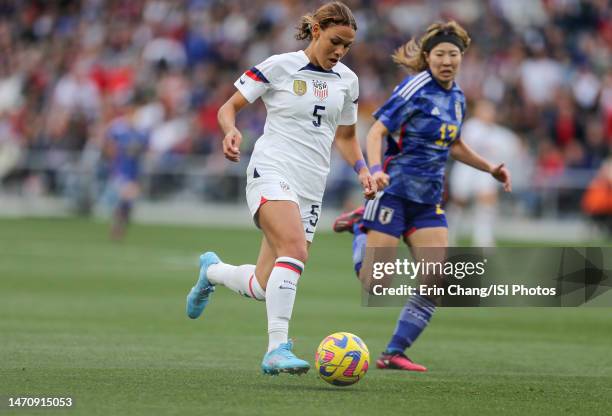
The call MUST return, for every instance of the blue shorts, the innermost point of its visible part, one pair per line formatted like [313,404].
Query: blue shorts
[397,216]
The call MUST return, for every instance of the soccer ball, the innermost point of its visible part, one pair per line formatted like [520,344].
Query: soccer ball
[342,359]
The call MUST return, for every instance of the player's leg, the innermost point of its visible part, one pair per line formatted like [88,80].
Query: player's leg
[380,248]
[431,245]
[242,279]
[428,239]
[352,221]
[360,242]
[346,221]
[128,192]
[282,225]
[384,220]
[484,218]
[247,279]
[461,182]
[456,216]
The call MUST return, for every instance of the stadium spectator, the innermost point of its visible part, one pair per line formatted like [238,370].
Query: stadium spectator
[10,149]
[597,200]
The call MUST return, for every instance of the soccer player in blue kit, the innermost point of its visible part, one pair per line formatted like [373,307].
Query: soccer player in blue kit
[124,146]
[421,122]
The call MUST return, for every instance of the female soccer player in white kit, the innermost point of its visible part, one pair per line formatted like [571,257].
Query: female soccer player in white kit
[493,142]
[311,102]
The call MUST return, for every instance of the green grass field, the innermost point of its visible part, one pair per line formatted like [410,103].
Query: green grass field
[105,324]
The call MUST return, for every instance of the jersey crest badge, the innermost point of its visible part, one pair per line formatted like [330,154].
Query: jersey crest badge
[320,89]
[435,111]
[385,216]
[458,112]
[299,87]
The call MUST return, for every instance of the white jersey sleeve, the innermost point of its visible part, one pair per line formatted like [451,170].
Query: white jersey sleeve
[256,81]
[348,116]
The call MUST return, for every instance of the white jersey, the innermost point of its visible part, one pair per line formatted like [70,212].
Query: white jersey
[305,104]
[491,141]
[494,143]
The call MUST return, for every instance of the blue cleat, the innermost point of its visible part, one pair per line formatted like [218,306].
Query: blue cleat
[198,296]
[282,360]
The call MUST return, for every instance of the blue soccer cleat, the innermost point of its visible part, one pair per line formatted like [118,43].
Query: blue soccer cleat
[282,360]
[199,295]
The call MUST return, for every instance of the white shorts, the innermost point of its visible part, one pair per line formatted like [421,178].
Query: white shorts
[467,182]
[275,188]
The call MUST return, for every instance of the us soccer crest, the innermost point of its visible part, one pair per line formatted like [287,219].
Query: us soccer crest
[458,112]
[299,87]
[385,215]
[320,89]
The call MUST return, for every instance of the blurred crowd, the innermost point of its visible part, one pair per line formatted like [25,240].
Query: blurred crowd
[69,68]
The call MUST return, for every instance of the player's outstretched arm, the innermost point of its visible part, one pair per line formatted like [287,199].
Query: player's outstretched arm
[226,116]
[463,153]
[374,147]
[348,146]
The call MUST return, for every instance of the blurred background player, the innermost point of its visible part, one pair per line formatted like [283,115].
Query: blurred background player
[311,101]
[494,143]
[421,122]
[124,147]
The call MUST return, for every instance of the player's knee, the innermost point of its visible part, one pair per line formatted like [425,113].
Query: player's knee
[301,254]
[294,249]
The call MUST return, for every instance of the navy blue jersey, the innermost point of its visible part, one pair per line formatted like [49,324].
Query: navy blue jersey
[423,119]
[130,145]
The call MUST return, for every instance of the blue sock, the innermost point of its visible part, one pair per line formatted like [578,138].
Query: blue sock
[359,245]
[412,321]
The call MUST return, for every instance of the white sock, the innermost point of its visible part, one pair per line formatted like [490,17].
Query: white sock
[483,227]
[280,296]
[240,279]
[454,215]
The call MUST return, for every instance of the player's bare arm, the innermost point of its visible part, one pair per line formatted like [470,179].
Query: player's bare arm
[374,145]
[464,154]
[227,121]
[348,146]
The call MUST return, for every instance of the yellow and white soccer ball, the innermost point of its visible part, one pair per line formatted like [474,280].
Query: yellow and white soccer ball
[342,359]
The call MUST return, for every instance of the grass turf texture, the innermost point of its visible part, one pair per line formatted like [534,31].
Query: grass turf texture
[105,324]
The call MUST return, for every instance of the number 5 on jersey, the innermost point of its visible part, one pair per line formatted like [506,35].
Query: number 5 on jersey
[314,219]
[317,108]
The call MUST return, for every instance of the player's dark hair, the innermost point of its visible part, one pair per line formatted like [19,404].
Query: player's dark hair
[412,54]
[330,14]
